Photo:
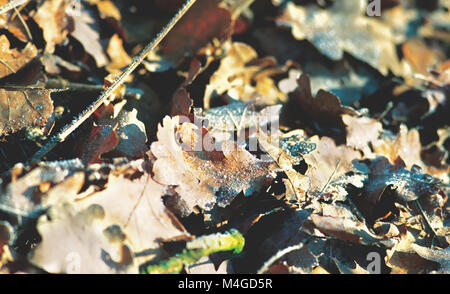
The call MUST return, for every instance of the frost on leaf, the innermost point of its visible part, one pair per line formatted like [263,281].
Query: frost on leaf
[40,187]
[328,165]
[11,60]
[344,28]
[408,185]
[441,256]
[21,108]
[244,76]
[204,177]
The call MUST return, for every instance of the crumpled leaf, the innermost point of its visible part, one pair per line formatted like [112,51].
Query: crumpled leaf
[441,256]
[328,165]
[87,31]
[236,73]
[80,241]
[11,60]
[408,185]
[343,27]
[361,131]
[407,146]
[204,177]
[52,16]
[41,187]
[22,107]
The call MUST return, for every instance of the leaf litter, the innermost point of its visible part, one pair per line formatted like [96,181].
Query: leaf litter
[259,137]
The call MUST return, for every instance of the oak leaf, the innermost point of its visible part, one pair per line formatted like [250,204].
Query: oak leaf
[343,27]
[11,60]
[22,107]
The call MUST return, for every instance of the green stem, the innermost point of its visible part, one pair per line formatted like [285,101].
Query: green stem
[198,248]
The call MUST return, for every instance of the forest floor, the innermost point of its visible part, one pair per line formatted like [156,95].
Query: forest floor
[260,136]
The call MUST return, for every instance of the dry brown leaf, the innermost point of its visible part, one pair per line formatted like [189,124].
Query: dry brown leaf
[6,237]
[420,56]
[325,107]
[11,60]
[118,55]
[327,166]
[237,72]
[41,187]
[53,19]
[361,131]
[343,27]
[107,9]
[203,178]
[136,206]
[13,25]
[407,146]
[344,229]
[87,31]
[21,108]
[408,185]
[201,25]
[441,256]
[81,240]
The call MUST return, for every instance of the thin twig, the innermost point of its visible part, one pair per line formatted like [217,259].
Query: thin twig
[68,129]
[80,87]
[277,256]
[27,30]
[11,5]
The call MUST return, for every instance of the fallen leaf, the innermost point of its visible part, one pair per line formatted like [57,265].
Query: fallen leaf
[203,23]
[345,229]
[441,256]
[136,206]
[13,25]
[420,56]
[118,55]
[102,139]
[204,177]
[328,165]
[361,132]
[237,73]
[56,24]
[22,107]
[408,185]
[87,31]
[80,241]
[11,60]
[325,107]
[343,27]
